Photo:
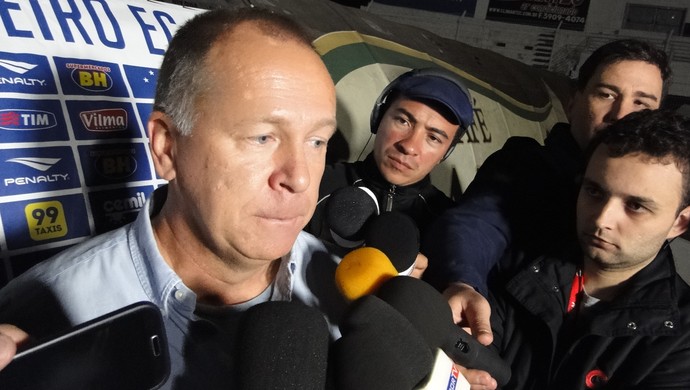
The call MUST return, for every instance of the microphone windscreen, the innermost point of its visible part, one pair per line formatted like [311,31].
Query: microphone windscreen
[362,271]
[396,235]
[431,315]
[347,211]
[379,349]
[282,345]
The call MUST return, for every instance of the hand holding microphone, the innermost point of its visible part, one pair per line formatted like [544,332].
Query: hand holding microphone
[422,305]
[428,311]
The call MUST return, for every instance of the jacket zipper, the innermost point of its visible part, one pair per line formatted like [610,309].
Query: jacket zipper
[389,198]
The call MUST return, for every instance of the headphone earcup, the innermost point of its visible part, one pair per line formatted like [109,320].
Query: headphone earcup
[379,108]
[375,119]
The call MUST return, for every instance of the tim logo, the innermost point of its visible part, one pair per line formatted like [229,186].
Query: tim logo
[92,78]
[26,120]
[114,164]
[106,120]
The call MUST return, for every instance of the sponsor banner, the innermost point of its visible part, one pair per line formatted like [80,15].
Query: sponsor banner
[24,120]
[77,81]
[42,221]
[114,208]
[95,120]
[26,73]
[37,170]
[84,77]
[114,163]
[566,14]
[455,7]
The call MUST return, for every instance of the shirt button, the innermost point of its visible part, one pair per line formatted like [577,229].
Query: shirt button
[536,268]
[668,324]
[555,289]
[179,295]
[632,325]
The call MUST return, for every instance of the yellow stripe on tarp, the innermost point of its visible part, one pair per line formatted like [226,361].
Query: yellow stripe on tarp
[346,51]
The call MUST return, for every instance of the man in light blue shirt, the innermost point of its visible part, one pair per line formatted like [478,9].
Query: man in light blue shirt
[239,130]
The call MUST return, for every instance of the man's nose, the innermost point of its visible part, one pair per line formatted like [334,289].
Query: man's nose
[291,171]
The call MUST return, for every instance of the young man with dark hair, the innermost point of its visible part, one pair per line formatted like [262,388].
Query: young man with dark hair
[417,119]
[611,312]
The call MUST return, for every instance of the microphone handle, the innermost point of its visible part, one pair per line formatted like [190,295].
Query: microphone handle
[466,351]
[444,375]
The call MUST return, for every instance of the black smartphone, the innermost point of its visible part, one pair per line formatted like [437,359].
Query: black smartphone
[125,349]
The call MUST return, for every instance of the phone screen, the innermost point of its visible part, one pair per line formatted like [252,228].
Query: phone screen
[125,349]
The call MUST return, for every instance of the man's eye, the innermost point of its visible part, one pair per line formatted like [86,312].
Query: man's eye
[435,139]
[643,104]
[262,139]
[401,120]
[636,207]
[319,143]
[593,192]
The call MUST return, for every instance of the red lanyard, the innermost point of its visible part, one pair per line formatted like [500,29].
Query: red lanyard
[578,286]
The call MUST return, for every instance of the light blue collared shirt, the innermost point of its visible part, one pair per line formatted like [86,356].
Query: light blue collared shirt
[124,266]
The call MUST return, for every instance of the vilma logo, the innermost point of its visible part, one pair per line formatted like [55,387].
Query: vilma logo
[109,119]
[92,78]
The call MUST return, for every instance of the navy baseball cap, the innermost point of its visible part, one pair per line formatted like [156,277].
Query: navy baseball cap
[441,87]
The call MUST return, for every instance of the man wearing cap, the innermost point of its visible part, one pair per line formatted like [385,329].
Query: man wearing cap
[418,119]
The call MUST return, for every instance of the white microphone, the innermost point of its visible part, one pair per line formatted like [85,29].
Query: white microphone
[444,375]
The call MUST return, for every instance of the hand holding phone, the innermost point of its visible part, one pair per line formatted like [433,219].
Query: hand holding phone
[125,349]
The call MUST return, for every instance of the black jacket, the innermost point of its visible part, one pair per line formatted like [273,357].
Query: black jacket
[421,201]
[641,340]
[522,198]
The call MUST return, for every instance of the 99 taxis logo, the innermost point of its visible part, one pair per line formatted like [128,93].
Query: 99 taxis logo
[46,220]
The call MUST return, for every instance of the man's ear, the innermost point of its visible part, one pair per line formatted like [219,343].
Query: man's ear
[681,224]
[570,103]
[162,137]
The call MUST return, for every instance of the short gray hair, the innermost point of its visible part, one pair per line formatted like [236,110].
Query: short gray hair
[181,80]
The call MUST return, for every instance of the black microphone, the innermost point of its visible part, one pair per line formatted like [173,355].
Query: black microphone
[397,236]
[282,345]
[429,312]
[347,211]
[379,349]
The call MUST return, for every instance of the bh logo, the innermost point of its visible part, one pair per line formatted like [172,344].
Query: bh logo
[91,78]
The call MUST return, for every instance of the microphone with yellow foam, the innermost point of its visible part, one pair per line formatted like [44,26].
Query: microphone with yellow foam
[368,271]
[362,271]
[380,349]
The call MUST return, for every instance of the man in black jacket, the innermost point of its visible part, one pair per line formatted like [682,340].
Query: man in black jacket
[523,196]
[418,119]
[613,312]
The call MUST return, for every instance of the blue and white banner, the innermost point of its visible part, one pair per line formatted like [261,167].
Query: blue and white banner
[77,80]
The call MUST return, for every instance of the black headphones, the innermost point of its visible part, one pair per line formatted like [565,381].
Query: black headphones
[382,102]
